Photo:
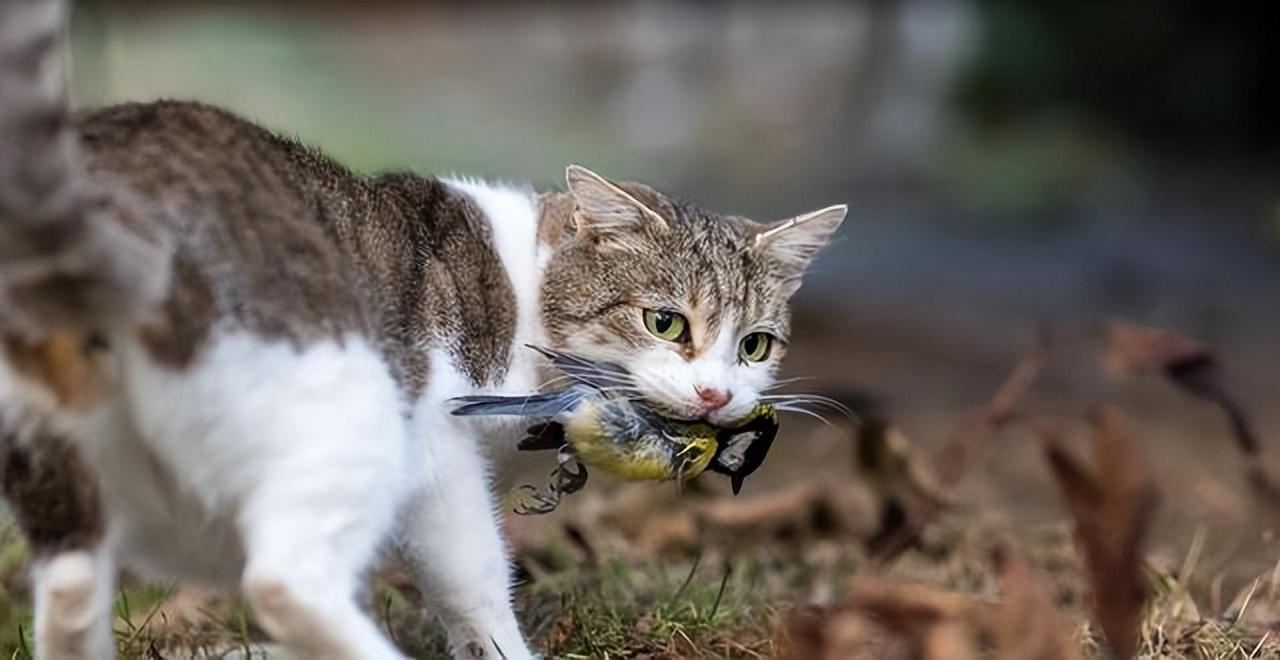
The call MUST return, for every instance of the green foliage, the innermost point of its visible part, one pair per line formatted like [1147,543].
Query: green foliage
[1183,77]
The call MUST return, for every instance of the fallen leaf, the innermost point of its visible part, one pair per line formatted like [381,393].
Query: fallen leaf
[959,451]
[881,619]
[931,624]
[1257,606]
[837,633]
[1135,349]
[1112,512]
[938,624]
[1026,625]
[903,481]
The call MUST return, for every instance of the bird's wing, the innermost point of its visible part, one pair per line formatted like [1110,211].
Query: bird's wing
[589,372]
[549,404]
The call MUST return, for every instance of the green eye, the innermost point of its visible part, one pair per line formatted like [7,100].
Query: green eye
[756,346]
[670,326]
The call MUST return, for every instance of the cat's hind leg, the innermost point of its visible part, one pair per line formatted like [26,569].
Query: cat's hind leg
[56,504]
[302,449]
[311,534]
[328,458]
[302,589]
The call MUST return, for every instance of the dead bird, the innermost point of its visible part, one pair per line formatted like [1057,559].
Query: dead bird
[592,423]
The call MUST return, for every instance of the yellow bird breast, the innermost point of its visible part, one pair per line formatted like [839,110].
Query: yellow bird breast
[636,460]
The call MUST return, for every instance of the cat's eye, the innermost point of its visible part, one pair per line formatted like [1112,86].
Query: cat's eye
[666,325]
[756,346]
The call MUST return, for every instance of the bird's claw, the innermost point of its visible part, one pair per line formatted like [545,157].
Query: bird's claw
[564,480]
[542,501]
[570,481]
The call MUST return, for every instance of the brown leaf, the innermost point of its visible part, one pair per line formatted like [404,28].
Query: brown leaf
[1026,625]
[902,480]
[938,625]
[881,620]
[838,633]
[1112,512]
[1257,606]
[956,456]
[930,624]
[1134,349]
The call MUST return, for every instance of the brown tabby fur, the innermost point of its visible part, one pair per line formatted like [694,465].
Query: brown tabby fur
[275,238]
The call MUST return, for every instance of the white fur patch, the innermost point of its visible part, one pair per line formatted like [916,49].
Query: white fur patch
[262,460]
[672,380]
[322,422]
[512,214]
[73,597]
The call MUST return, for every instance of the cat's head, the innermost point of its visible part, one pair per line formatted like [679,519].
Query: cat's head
[693,304]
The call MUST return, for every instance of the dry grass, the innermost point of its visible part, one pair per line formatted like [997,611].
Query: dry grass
[751,603]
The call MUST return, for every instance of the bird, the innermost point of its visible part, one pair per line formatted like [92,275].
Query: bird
[593,422]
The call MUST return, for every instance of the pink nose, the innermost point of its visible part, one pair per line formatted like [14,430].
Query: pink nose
[713,399]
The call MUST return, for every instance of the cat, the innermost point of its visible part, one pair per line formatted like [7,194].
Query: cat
[226,358]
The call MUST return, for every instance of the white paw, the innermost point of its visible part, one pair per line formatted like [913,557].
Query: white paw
[71,579]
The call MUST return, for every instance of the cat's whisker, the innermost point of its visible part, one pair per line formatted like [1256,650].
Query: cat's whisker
[813,399]
[805,402]
[804,411]
[782,382]
[816,398]
[835,403]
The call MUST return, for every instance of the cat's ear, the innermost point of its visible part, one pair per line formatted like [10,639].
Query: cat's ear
[605,210]
[792,243]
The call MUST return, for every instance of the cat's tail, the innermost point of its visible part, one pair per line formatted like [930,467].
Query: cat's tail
[72,255]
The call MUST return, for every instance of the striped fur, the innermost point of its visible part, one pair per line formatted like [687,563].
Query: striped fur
[68,255]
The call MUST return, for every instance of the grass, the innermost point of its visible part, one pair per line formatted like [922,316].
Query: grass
[727,602]
[621,610]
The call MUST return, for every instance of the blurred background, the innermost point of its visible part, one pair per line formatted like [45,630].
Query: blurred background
[1005,164]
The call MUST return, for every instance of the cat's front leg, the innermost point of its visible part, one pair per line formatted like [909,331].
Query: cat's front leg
[73,591]
[56,503]
[453,542]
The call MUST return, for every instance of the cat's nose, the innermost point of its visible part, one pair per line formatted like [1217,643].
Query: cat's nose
[713,399]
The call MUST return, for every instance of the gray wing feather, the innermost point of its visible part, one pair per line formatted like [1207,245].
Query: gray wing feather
[549,404]
[588,372]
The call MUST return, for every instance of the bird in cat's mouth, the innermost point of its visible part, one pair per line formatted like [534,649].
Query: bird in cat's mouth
[590,423]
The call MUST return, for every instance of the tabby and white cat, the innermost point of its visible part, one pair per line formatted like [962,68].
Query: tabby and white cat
[225,358]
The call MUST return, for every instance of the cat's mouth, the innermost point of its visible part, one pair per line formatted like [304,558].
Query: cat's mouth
[679,414]
[672,412]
